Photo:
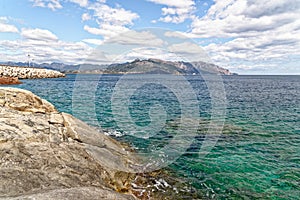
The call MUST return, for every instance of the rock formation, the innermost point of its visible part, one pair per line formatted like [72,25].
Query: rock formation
[45,154]
[9,80]
[28,73]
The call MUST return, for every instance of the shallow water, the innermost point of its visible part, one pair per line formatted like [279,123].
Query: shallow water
[256,156]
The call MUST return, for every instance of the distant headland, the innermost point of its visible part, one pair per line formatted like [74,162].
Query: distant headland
[137,66]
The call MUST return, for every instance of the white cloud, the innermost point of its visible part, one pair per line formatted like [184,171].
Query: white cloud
[260,31]
[93,41]
[85,17]
[111,21]
[106,30]
[124,36]
[269,8]
[259,48]
[178,3]
[176,34]
[186,47]
[114,26]
[82,3]
[45,51]
[136,38]
[38,34]
[115,16]
[3,19]
[146,53]
[56,4]
[52,4]
[38,3]
[232,18]
[272,49]
[43,46]
[96,57]
[189,50]
[176,11]
[5,27]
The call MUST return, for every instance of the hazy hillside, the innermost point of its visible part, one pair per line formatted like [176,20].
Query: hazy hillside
[156,66]
[152,66]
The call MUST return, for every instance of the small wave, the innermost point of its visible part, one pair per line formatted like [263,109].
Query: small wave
[114,133]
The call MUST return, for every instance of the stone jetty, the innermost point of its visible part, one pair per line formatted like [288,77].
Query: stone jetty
[28,72]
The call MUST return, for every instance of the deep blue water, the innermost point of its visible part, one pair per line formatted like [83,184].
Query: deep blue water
[257,155]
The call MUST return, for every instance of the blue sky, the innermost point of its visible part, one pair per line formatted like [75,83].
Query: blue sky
[245,36]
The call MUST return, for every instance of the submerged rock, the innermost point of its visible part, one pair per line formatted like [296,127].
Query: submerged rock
[45,154]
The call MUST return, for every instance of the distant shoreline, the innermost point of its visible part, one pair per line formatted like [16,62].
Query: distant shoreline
[139,73]
[151,65]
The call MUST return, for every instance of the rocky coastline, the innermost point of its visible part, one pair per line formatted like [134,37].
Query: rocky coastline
[45,154]
[28,72]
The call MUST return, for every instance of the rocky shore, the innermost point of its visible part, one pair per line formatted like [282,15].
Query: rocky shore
[9,80]
[28,73]
[45,154]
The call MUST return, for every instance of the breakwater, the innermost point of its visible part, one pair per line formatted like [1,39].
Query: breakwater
[28,73]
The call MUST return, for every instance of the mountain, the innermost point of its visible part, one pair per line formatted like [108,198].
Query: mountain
[157,66]
[147,66]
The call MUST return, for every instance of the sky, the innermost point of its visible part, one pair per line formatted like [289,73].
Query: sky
[244,36]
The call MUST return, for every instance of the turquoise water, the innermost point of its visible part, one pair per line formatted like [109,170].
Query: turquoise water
[257,156]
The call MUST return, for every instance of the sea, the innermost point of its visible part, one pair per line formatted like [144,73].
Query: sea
[244,135]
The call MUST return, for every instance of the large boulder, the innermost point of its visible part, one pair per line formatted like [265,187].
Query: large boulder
[45,154]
